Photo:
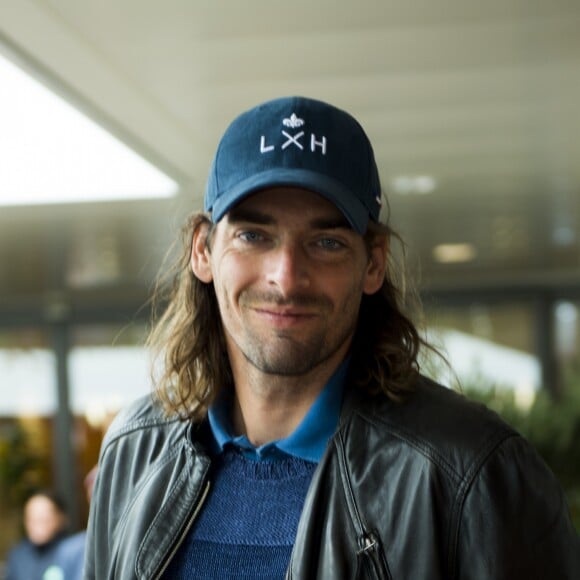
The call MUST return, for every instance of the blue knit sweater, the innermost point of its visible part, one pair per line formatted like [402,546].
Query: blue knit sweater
[248,523]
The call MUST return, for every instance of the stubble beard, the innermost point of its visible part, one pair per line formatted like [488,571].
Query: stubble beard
[287,355]
[284,356]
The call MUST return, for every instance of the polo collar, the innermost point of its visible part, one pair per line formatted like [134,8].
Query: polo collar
[309,439]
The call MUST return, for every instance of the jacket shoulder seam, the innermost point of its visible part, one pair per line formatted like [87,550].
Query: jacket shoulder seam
[136,425]
[424,447]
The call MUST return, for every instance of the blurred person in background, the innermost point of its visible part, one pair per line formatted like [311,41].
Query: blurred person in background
[36,557]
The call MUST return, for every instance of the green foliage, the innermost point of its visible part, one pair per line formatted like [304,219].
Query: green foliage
[551,426]
[20,468]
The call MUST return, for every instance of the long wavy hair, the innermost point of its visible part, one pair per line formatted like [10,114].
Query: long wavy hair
[190,360]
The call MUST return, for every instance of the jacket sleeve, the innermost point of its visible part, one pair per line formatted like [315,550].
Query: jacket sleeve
[108,502]
[515,522]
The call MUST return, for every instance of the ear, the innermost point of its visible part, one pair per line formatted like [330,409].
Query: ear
[200,260]
[377,264]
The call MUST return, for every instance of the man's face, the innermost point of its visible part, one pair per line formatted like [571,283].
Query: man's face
[289,274]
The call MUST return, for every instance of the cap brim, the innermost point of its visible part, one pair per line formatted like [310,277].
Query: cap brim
[335,192]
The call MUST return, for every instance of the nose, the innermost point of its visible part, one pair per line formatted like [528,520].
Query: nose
[288,269]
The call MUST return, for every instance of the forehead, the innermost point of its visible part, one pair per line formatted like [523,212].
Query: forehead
[40,505]
[279,202]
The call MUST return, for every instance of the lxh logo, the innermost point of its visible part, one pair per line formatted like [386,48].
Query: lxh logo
[294,139]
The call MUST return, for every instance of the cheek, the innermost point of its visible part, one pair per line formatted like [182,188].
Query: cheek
[230,277]
[345,290]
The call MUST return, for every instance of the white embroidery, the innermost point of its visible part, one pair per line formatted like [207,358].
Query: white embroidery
[263,147]
[379,200]
[293,121]
[314,143]
[292,139]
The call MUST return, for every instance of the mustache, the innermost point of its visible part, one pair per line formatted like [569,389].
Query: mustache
[253,298]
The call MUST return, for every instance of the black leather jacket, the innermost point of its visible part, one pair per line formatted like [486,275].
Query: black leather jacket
[435,487]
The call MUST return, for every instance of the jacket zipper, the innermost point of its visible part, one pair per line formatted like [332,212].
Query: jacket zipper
[371,552]
[370,548]
[184,532]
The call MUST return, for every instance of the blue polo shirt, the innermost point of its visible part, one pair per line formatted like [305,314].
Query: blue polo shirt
[307,442]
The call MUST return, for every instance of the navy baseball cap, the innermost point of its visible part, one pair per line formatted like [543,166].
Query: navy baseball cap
[296,142]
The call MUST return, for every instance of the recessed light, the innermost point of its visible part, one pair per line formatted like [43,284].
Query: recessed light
[413,184]
[454,253]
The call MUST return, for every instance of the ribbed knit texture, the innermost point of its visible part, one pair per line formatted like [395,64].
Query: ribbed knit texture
[248,524]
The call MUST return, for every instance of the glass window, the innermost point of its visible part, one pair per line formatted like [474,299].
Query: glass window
[567,339]
[108,368]
[27,408]
[488,346]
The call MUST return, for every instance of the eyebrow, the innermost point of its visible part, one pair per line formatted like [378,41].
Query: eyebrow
[239,215]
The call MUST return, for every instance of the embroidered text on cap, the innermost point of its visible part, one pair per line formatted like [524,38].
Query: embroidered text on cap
[295,139]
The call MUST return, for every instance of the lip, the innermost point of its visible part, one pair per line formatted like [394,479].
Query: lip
[284,317]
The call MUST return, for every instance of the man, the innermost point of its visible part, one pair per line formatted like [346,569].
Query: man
[292,434]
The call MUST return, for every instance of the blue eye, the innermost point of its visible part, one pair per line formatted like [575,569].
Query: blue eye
[330,244]
[251,236]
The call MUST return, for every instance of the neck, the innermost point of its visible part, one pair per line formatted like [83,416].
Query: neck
[270,407]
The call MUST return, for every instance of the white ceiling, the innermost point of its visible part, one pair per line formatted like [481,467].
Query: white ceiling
[481,96]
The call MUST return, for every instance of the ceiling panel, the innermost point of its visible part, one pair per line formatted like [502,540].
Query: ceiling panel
[481,97]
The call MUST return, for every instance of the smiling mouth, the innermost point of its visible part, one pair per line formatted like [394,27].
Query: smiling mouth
[284,312]
[284,316]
